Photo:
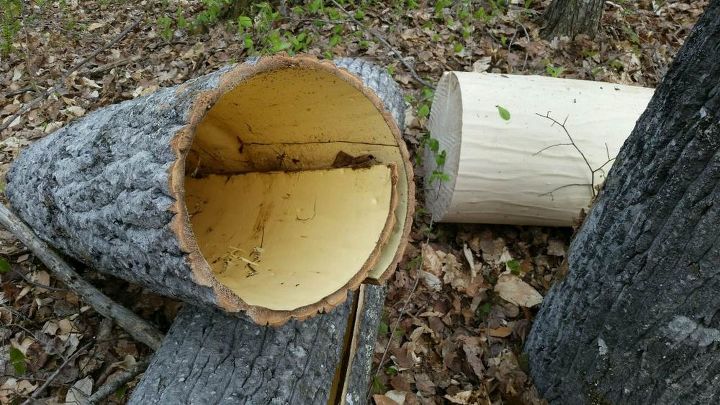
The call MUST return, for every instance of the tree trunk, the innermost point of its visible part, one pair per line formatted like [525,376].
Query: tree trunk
[158,190]
[209,357]
[572,17]
[636,319]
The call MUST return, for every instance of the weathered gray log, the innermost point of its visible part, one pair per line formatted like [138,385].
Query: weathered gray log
[108,188]
[572,17]
[636,319]
[126,319]
[209,357]
[362,347]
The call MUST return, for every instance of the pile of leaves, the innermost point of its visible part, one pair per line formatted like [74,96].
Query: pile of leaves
[460,305]
[466,305]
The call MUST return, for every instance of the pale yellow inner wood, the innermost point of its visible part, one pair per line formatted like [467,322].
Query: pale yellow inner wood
[283,240]
[292,119]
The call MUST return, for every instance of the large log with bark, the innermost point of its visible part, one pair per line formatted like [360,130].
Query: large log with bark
[523,150]
[636,318]
[209,357]
[271,187]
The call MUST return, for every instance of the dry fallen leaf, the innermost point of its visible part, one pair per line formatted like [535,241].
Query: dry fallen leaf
[502,332]
[80,391]
[512,289]
[462,397]
[383,400]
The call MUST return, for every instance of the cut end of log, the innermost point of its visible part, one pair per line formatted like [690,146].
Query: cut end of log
[445,125]
[292,185]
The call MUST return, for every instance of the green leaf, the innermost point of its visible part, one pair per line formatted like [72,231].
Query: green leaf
[244,21]
[383,328]
[514,266]
[17,359]
[334,40]
[440,159]
[4,266]
[424,111]
[433,144]
[391,371]
[437,175]
[377,386]
[504,113]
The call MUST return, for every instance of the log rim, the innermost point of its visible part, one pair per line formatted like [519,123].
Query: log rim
[448,95]
[181,144]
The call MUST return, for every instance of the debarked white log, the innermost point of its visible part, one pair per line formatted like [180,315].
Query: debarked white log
[524,170]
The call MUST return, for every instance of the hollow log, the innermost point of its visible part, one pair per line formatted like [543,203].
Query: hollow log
[211,357]
[521,167]
[271,187]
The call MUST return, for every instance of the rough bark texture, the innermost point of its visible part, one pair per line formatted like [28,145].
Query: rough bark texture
[380,82]
[572,17]
[98,190]
[209,357]
[636,320]
[367,322]
[101,188]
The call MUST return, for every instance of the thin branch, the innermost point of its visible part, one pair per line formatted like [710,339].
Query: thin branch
[385,42]
[54,375]
[551,146]
[109,387]
[126,319]
[550,193]
[604,164]
[27,107]
[34,284]
[572,142]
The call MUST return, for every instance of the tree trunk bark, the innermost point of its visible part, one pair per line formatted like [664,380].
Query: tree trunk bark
[209,357]
[636,319]
[110,188]
[572,17]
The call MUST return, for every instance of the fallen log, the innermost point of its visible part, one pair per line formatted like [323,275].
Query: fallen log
[524,150]
[134,325]
[271,187]
[211,357]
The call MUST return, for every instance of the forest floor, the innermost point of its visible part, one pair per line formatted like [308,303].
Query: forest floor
[455,340]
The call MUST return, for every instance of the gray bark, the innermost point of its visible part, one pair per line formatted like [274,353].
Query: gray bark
[98,189]
[636,320]
[572,17]
[209,357]
[361,356]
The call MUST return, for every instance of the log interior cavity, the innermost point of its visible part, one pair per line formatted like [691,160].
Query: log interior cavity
[277,223]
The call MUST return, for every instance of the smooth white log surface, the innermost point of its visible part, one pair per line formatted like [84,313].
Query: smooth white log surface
[507,171]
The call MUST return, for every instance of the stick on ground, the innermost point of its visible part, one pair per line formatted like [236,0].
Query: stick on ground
[126,319]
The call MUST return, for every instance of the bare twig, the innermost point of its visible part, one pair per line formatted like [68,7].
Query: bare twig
[126,319]
[27,107]
[34,284]
[109,66]
[577,148]
[385,42]
[551,146]
[54,375]
[550,193]
[109,387]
